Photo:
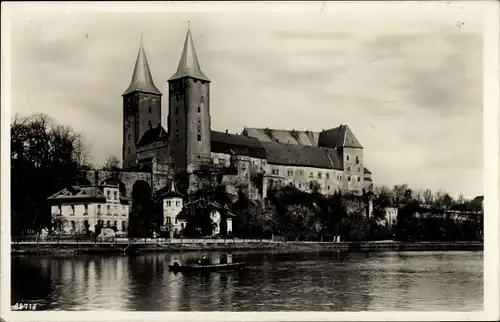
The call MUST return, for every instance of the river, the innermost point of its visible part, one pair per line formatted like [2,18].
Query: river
[274,281]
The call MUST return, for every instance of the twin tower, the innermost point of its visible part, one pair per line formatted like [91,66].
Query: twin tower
[188,112]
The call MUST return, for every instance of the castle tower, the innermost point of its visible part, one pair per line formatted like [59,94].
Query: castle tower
[141,108]
[189,110]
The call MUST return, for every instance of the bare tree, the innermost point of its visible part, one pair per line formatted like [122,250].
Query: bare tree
[111,163]
[428,197]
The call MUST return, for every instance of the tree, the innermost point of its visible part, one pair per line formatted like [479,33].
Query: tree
[112,163]
[427,196]
[45,158]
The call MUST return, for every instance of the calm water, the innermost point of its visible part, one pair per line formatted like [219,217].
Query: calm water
[322,281]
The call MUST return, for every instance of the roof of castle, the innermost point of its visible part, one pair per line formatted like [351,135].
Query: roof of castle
[188,64]
[283,136]
[142,81]
[152,135]
[236,144]
[307,156]
[341,136]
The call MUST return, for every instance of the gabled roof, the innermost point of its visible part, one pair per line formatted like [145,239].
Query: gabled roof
[341,136]
[189,65]
[75,193]
[142,81]
[172,193]
[283,136]
[152,135]
[236,144]
[296,155]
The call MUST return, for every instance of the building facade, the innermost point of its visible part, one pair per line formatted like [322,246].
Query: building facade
[82,208]
[253,161]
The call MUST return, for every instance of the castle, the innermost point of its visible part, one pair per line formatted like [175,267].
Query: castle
[252,161]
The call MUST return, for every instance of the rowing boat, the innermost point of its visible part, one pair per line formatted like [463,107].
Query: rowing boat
[207,268]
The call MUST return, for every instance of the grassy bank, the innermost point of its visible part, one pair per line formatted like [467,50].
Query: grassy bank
[72,249]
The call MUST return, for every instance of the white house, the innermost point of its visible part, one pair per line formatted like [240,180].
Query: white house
[84,207]
[216,216]
[173,211]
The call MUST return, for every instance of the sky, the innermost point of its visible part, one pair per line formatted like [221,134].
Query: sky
[408,83]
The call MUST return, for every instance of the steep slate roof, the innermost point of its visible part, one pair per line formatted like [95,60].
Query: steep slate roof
[189,65]
[236,144]
[154,134]
[296,155]
[74,193]
[142,81]
[341,136]
[283,136]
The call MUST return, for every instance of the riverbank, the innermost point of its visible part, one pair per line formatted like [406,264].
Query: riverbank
[108,248]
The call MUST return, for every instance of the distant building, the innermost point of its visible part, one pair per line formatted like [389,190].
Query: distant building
[391,215]
[85,207]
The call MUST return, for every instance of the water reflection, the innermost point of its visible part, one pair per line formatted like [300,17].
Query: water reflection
[314,281]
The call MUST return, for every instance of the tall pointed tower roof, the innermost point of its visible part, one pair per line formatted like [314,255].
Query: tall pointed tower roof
[142,81]
[189,65]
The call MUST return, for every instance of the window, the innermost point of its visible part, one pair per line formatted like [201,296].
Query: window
[359,170]
[327,175]
[149,110]
[128,149]
[199,137]
[263,162]
[311,175]
[109,209]
[348,168]
[177,110]
[328,187]
[243,167]
[182,226]
[319,175]
[60,209]
[276,171]
[116,194]
[199,109]
[149,123]
[116,209]
[348,178]
[108,223]
[178,203]
[359,179]
[300,185]
[86,209]
[301,173]
[347,157]
[73,225]
[310,185]
[357,160]
[176,220]
[167,203]
[176,122]
[98,208]
[115,224]
[72,210]
[290,172]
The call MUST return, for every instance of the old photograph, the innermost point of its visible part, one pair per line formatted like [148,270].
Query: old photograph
[181,157]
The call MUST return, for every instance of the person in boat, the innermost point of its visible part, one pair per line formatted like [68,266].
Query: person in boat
[204,261]
[176,263]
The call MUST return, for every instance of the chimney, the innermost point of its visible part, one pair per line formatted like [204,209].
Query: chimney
[227,132]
